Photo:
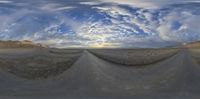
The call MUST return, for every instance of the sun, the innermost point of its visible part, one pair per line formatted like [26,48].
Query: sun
[103,45]
[98,45]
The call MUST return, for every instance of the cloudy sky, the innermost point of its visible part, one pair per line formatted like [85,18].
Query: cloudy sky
[101,23]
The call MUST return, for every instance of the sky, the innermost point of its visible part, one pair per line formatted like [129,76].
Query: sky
[101,23]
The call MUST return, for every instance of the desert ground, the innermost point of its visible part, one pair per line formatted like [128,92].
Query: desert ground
[46,73]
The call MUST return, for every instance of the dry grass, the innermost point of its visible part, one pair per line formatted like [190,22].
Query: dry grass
[195,53]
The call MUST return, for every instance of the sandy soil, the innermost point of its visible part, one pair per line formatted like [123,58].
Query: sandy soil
[97,74]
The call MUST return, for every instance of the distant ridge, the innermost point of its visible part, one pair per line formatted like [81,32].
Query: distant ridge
[20,44]
[192,45]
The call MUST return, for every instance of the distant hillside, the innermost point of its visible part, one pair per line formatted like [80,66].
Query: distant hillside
[192,45]
[20,44]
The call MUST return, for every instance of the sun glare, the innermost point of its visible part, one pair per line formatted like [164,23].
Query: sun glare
[104,45]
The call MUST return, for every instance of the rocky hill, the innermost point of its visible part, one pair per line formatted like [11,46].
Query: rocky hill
[20,44]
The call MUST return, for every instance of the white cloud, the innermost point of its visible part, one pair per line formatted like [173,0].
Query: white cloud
[55,7]
[148,4]
[6,1]
[129,18]
[163,28]
[64,8]
[135,3]
[113,10]
[121,30]
[187,29]
[50,6]
[91,3]
[8,20]
[193,1]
